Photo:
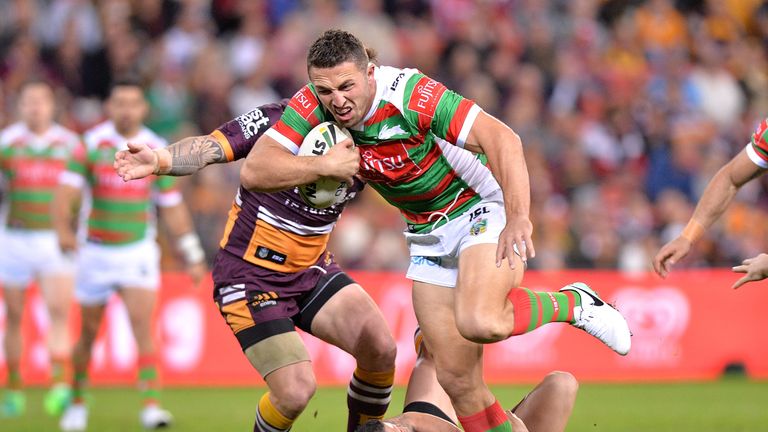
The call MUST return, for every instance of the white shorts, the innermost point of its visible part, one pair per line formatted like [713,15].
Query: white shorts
[435,256]
[26,255]
[103,269]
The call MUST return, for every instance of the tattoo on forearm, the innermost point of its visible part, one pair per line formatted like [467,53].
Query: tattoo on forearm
[191,154]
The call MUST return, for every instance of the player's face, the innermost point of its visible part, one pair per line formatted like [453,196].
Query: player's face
[36,106]
[345,90]
[127,108]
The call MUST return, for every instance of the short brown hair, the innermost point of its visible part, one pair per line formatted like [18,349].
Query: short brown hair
[335,47]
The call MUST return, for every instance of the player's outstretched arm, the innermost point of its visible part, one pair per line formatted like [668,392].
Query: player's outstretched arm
[716,197]
[270,167]
[181,158]
[504,150]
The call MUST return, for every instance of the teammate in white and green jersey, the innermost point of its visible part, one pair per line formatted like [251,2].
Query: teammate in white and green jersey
[32,154]
[468,222]
[120,253]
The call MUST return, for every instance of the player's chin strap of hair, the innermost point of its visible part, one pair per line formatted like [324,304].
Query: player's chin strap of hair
[190,248]
[444,215]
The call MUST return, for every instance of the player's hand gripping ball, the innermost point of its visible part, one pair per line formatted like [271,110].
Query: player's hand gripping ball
[326,191]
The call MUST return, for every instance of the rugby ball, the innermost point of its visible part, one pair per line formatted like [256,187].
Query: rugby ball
[326,191]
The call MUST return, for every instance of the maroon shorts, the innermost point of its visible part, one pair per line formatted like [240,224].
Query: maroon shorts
[258,303]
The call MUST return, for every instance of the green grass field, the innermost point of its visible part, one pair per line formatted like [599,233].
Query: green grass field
[729,405]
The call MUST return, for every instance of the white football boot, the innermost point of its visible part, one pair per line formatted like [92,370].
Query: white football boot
[75,418]
[600,319]
[154,417]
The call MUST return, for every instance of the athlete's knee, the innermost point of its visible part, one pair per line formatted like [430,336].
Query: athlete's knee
[481,328]
[377,353]
[58,314]
[294,395]
[563,384]
[457,382]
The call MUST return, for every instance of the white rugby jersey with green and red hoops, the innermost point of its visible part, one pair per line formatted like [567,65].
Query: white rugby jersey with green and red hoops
[757,149]
[121,212]
[31,165]
[406,144]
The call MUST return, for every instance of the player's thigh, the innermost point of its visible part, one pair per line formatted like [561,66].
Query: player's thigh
[58,291]
[140,304]
[482,287]
[434,308]
[351,320]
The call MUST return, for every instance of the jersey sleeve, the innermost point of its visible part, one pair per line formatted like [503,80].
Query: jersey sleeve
[166,192]
[76,170]
[238,135]
[303,113]
[432,106]
[757,149]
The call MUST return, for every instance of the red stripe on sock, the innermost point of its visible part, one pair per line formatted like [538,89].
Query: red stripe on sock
[147,360]
[522,309]
[485,420]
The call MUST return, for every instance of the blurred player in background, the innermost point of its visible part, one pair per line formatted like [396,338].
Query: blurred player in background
[469,231]
[748,164]
[33,152]
[273,273]
[427,408]
[120,253]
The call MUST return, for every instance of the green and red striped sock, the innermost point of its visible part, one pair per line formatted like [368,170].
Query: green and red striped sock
[491,419]
[533,309]
[148,384]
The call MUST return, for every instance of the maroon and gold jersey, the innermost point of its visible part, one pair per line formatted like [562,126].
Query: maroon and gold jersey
[277,231]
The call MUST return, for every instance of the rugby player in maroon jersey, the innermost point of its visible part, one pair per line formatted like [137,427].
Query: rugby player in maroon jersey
[273,273]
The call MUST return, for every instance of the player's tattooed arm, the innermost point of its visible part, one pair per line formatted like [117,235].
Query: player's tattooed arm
[194,153]
[181,158]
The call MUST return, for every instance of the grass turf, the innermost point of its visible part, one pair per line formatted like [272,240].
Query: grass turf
[728,405]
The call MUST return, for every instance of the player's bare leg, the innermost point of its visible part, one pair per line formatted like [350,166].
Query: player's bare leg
[458,361]
[140,304]
[548,407]
[483,312]
[58,291]
[284,363]
[352,321]
[13,402]
[75,418]
[491,305]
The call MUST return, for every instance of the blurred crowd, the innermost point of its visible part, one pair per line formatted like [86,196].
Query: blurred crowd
[626,108]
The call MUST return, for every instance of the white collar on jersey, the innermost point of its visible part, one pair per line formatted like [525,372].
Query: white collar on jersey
[376,100]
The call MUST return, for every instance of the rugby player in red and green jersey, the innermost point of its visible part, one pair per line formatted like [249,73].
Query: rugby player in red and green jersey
[748,164]
[33,152]
[464,219]
[273,273]
[120,253]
